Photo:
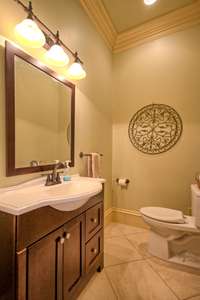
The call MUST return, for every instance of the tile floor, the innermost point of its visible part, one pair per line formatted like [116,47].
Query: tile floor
[131,273]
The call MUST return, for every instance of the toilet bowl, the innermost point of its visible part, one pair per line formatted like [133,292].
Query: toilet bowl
[174,236]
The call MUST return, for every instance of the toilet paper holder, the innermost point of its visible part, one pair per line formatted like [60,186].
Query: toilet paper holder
[127,181]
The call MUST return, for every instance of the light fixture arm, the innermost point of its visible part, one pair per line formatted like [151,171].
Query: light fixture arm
[77,59]
[57,37]
[30,10]
[46,29]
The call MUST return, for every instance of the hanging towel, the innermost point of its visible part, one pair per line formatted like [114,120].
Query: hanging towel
[94,165]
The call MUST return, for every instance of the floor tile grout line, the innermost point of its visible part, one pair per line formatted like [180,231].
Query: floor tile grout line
[134,247]
[87,286]
[112,287]
[135,233]
[114,236]
[163,280]
[124,234]
[191,298]
[143,257]
[177,297]
[125,262]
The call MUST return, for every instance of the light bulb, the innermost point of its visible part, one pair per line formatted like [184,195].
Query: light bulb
[56,56]
[29,34]
[76,71]
[149,2]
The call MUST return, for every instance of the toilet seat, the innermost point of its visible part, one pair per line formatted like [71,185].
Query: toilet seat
[189,225]
[163,214]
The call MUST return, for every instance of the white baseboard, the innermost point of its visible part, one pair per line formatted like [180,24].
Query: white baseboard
[126,211]
[125,216]
[108,216]
[108,212]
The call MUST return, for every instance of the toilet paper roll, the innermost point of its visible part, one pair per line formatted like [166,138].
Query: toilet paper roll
[122,182]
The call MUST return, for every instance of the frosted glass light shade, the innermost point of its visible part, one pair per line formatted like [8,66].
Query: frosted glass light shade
[29,34]
[56,56]
[149,2]
[76,71]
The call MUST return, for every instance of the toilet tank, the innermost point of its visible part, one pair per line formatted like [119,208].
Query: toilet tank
[195,191]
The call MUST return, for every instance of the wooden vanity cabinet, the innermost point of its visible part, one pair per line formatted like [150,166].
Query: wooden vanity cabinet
[44,263]
[56,264]
[93,220]
[73,257]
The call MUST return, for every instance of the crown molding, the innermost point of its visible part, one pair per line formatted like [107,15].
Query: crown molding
[174,21]
[169,23]
[99,16]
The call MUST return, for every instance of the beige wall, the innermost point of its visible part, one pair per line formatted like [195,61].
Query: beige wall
[93,95]
[164,71]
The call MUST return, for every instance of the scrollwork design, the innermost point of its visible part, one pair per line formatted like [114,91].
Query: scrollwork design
[155,128]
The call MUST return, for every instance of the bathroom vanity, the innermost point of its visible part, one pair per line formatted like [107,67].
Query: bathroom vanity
[49,254]
[51,236]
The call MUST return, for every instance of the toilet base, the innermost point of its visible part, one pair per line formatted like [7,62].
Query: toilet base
[177,248]
[186,259]
[158,245]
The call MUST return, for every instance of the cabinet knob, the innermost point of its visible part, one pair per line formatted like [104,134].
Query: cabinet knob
[94,220]
[94,250]
[67,235]
[62,240]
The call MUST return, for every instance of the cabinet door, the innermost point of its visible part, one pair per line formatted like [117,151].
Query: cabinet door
[43,262]
[73,255]
[55,264]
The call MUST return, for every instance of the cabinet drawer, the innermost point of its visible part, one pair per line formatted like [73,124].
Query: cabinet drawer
[94,220]
[93,249]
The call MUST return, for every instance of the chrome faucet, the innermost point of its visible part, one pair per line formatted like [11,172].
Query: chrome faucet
[54,178]
[34,163]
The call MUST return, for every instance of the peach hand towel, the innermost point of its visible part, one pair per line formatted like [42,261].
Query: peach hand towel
[94,165]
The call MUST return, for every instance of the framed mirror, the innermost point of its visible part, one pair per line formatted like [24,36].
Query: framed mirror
[40,115]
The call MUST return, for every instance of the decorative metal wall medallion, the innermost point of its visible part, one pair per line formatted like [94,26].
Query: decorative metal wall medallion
[155,128]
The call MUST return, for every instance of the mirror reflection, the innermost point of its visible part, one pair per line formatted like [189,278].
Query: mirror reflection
[42,117]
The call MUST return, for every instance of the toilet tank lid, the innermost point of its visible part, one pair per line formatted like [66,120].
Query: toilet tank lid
[163,214]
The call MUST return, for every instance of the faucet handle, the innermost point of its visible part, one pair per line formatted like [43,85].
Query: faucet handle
[48,180]
[67,163]
[58,179]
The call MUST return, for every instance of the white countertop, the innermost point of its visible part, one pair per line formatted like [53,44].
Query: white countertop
[34,194]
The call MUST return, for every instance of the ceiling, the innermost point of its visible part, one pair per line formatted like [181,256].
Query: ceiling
[126,14]
[124,24]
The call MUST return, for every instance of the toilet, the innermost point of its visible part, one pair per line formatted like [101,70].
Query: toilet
[174,236]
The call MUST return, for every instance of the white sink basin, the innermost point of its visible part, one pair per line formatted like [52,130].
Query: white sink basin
[67,196]
[74,194]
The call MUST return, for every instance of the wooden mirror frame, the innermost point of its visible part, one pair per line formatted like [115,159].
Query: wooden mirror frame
[11,52]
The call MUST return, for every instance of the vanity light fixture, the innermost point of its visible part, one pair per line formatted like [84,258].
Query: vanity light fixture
[34,33]
[56,56]
[149,2]
[76,71]
[28,32]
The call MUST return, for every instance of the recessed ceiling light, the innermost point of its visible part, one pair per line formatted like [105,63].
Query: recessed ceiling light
[149,2]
